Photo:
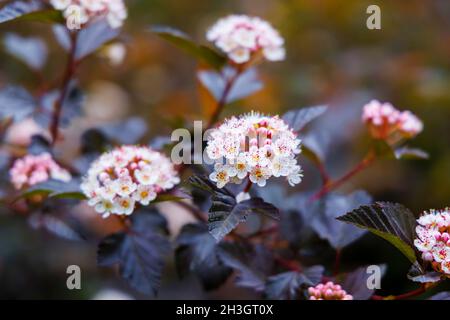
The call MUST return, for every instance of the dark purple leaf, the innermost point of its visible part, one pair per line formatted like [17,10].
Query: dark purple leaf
[332,206]
[139,253]
[285,286]
[225,213]
[16,103]
[299,118]
[197,252]
[93,37]
[441,296]
[245,84]
[253,263]
[32,51]
[355,283]
[18,9]
[390,221]
[128,131]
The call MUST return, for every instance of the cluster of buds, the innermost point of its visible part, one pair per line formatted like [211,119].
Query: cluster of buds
[387,123]
[127,175]
[433,239]
[328,291]
[242,38]
[81,12]
[34,169]
[254,146]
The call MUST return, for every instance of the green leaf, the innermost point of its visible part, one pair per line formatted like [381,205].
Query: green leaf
[55,189]
[225,213]
[46,16]
[299,118]
[185,43]
[390,221]
[167,197]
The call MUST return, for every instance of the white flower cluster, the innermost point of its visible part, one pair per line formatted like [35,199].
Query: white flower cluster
[384,121]
[433,239]
[80,12]
[254,146]
[126,175]
[241,37]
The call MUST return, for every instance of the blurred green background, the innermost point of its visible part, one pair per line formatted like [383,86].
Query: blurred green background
[332,58]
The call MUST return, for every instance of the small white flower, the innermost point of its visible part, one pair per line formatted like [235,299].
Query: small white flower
[240,55]
[144,195]
[241,166]
[220,175]
[125,187]
[124,206]
[259,175]
[146,176]
[105,207]
[295,177]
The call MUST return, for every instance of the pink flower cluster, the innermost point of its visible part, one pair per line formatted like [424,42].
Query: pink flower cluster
[433,239]
[241,37]
[80,12]
[328,291]
[254,146]
[385,121]
[34,169]
[127,175]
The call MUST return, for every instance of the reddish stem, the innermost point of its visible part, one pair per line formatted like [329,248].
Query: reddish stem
[248,186]
[337,183]
[223,99]
[337,261]
[67,77]
[264,232]
[288,264]
[406,295]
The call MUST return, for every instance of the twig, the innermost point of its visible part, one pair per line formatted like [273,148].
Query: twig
[337,261]
[368,160]
[223,99]
[67,77]
[406,295]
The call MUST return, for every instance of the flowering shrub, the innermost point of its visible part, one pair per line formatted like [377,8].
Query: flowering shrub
[34,169]
[281,240]
[125,176]
[242,38]
[254,146]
